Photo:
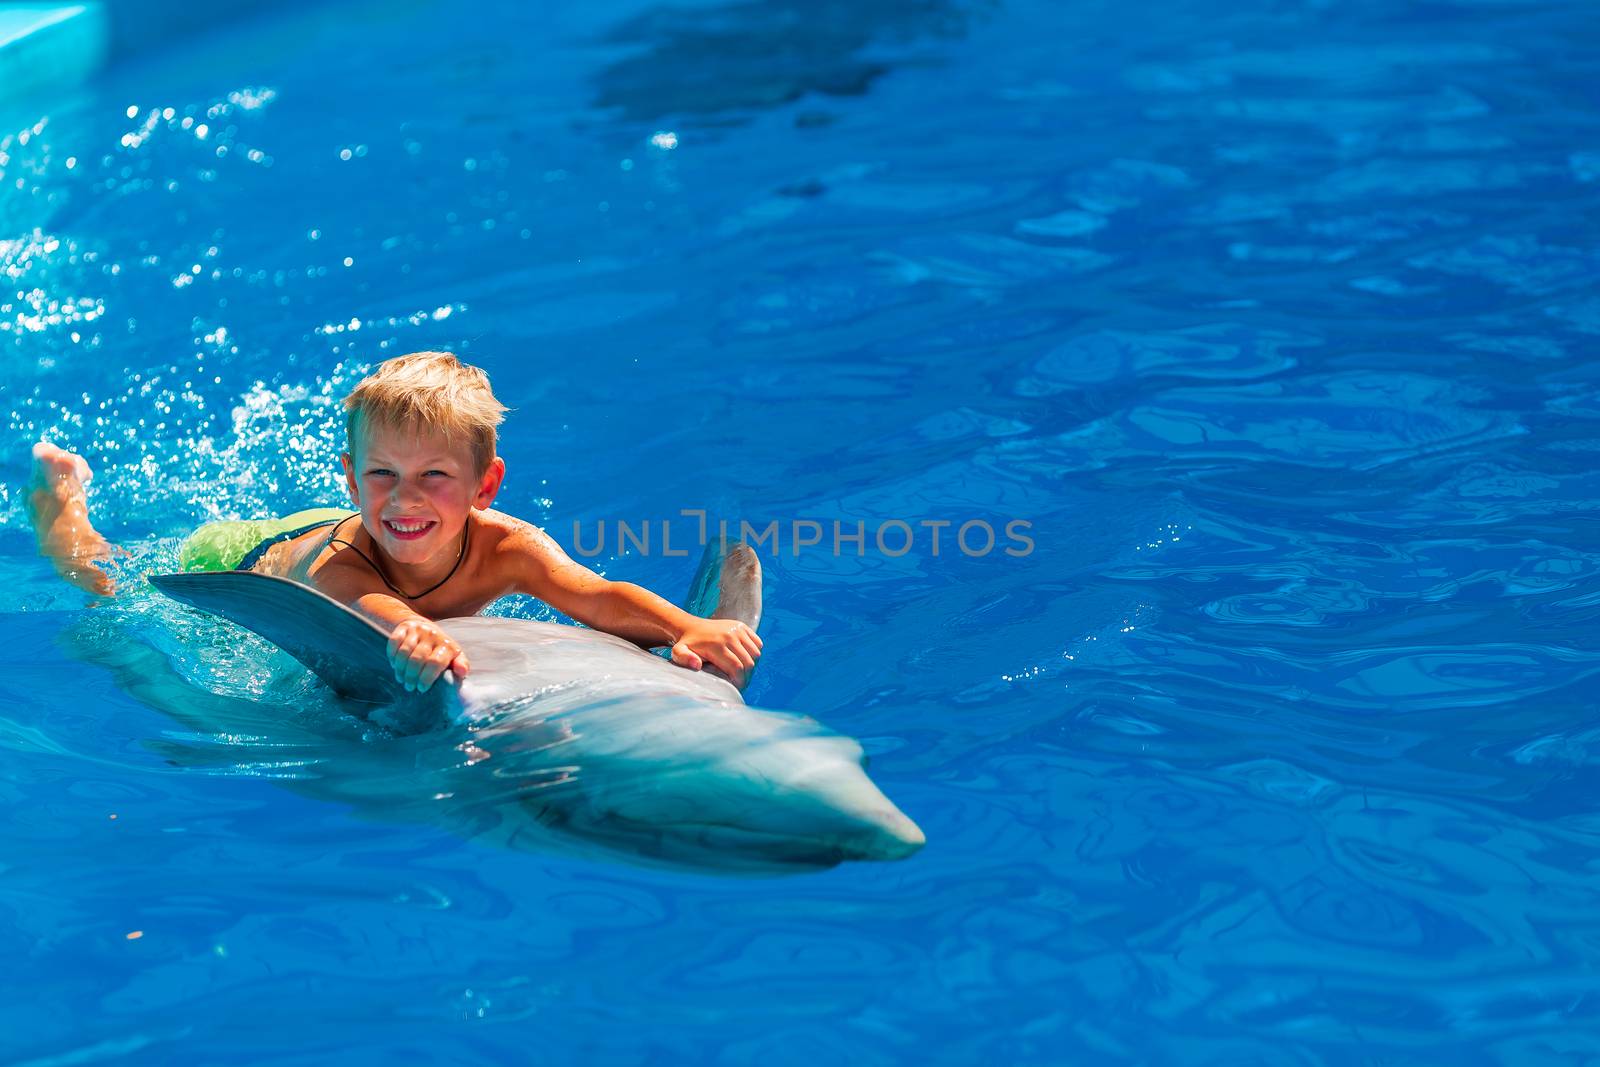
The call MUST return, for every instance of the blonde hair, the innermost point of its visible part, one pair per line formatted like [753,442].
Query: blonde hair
[429,391]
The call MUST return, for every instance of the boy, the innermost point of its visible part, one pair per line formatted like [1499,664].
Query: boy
[422,470]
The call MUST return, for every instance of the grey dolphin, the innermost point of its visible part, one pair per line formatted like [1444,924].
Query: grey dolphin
[591,737]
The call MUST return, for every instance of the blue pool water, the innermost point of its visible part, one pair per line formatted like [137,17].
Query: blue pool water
[1275,320]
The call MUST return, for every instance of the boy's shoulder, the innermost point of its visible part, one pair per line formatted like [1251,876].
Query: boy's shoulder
[503,528]
[510,536]
[522,554]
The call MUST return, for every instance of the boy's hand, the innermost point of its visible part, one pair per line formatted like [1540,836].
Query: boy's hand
[420,651]
[727,644]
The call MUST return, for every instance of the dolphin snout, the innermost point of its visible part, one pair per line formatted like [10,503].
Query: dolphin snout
[887,835]
[828,792]
[902,837]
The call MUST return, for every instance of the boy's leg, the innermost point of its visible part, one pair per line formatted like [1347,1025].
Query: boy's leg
[55,503]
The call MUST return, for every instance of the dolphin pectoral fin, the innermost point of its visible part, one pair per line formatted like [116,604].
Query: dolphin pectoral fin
[344,649]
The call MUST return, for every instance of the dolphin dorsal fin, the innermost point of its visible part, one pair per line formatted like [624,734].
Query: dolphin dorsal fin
[727,584]
[346,650]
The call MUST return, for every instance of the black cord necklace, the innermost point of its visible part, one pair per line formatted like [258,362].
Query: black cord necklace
[465,531]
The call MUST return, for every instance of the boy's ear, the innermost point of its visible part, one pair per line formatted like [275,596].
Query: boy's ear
[350,477]
[489,484]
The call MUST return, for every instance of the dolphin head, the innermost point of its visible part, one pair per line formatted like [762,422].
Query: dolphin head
[731,787]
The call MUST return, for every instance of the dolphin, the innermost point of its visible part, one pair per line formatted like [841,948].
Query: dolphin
[585,737]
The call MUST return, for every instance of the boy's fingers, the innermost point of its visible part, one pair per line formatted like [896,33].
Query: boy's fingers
[435,665]
[683,656]
[414,666]
[408,641]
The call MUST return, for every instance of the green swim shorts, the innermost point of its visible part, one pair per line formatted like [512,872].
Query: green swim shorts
[223,546]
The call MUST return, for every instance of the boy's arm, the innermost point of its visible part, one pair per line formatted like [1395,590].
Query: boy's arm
[419,649]
[631,611]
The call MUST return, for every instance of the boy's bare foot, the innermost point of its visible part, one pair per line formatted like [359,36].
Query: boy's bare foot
[55,503]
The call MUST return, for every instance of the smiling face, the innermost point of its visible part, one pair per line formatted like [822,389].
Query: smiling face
[416,490]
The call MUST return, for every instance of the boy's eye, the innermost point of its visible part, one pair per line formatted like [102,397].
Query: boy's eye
[381,472]
[443,474]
